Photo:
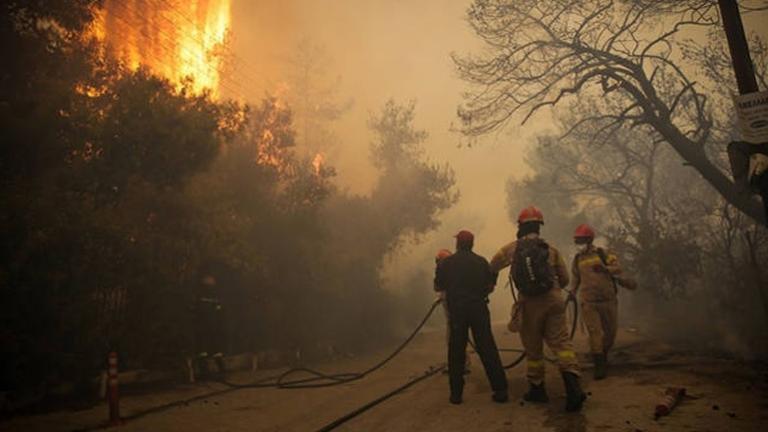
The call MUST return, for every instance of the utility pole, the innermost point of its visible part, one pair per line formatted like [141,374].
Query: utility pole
[737,43]
[744,155]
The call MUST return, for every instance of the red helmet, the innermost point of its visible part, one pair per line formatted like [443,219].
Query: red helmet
[465,236]
[530,214]
[584,231]
[442,253]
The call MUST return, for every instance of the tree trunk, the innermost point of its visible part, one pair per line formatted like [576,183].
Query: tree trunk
[754,270]
[695,156]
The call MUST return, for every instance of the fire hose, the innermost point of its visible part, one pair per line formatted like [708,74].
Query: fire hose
[320,379]
[570,299]
[280,382]
[339,421]
[326,380]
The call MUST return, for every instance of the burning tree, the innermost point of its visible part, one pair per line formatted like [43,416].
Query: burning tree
[122,192]
[629,53]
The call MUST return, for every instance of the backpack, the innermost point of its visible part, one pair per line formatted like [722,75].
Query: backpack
[532,273]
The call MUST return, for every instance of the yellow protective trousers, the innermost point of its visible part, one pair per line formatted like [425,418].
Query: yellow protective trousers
[544,321]
[601,320]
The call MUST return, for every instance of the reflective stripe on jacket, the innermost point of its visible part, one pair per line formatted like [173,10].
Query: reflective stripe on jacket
[593,279]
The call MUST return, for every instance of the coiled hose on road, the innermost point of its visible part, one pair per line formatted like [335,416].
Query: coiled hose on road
[280,381]
[320,379]
[341,420]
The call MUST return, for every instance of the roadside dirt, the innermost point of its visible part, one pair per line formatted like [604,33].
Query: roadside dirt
[725,395]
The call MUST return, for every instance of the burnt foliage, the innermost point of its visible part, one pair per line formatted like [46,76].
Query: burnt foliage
[123,196]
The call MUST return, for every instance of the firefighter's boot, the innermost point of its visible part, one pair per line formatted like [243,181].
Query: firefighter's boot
[536,393]
[600,363]
[574,396]
[500,396]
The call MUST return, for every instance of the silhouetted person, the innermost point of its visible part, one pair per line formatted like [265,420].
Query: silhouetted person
[467,280]
[210,337]
[443,253]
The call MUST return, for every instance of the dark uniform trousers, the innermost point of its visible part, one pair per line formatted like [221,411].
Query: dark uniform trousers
[475,316]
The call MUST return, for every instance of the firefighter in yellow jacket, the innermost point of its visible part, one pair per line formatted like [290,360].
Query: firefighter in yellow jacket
[540,274]
[594,281]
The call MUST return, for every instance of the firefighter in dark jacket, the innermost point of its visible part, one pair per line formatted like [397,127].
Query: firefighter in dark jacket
[442,254]
[467,280]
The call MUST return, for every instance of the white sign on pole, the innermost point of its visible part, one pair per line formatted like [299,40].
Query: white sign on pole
[752,114]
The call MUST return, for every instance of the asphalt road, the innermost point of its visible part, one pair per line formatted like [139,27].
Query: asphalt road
[726,395]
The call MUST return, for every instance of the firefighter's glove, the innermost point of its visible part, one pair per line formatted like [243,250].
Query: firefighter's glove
[440,296]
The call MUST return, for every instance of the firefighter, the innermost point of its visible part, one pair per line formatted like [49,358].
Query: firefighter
[209,328]
[594,281]
[540,274]
[466,279]
[441,254]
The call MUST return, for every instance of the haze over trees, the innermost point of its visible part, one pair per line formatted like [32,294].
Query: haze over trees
[121,191]
[643,115]
[313,95]
[630,54]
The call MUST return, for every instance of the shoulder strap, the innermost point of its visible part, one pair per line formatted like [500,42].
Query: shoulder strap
[511,284]
[601,254]
[575,269]
[510,281]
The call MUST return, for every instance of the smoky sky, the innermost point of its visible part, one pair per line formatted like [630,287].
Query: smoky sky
[398,49]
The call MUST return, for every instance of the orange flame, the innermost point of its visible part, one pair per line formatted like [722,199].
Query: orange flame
[318,162]
[175,39]
[267,152]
